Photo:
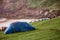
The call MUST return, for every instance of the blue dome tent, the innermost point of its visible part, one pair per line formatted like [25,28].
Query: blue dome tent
[18,27]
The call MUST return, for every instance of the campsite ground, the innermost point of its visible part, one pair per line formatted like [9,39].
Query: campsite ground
[45,30]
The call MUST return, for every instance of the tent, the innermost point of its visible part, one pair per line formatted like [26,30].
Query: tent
[18,27]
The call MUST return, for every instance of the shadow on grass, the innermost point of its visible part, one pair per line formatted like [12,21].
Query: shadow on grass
[57,32]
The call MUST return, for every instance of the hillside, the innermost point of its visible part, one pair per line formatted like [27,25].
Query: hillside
[45,30]
[51,4]
[29,9]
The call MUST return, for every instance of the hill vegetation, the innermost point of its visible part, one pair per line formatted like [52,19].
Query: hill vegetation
[45,30]
[51,4]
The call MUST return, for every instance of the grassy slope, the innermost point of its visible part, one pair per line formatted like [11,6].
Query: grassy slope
[45,30]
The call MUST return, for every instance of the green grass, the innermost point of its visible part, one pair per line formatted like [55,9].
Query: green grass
[45,30]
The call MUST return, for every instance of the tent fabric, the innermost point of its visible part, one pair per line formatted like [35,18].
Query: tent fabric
[18,27]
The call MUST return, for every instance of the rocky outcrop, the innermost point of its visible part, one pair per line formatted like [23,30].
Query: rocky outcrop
[20,9]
